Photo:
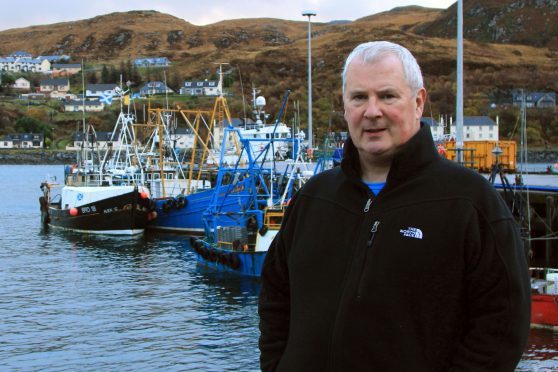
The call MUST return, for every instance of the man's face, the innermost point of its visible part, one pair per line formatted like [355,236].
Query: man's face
[380,108]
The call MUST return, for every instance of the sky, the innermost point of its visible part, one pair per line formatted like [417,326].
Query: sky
[14,14]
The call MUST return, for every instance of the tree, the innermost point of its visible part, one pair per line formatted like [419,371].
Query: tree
[92,78]
[30,125]
[105,75]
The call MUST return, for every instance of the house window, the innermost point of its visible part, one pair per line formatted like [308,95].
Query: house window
[468,135]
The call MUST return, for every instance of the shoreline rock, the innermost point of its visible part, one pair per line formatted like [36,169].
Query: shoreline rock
[35,157]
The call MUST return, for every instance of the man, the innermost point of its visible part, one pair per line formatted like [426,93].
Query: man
[399,260]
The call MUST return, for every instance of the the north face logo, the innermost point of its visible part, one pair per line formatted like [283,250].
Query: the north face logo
[411,232]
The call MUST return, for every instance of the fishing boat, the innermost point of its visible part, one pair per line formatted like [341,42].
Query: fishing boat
[93,201]
[183,198]
[183,188]
[97,195]
[237,241]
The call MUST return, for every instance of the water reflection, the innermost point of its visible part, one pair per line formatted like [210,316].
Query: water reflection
[84,302]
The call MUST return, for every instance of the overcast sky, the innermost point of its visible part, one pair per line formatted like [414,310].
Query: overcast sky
[199,12]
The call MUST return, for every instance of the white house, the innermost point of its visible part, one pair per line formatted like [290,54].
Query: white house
[58,85]
[477,128]
[22,141]
[100,90]
[155,87]
[24,64]
[78,106]
[200,88]
[22,83]
[100,141]
[152,62]
[62,95]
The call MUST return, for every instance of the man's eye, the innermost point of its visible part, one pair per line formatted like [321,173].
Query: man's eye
[359,97]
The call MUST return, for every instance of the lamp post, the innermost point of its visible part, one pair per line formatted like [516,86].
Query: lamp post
[309,14]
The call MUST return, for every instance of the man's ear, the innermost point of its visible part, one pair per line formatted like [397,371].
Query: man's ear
[420,101]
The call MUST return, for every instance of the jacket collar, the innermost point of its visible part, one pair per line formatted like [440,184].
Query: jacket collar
[412,156]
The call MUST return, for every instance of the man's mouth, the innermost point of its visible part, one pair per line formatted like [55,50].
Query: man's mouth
[374,130]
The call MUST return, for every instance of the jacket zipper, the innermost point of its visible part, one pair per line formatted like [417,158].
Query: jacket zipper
[332,355]
[369,243]
[367,206]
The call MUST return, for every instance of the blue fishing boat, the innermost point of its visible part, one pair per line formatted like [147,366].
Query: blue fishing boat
[236,241]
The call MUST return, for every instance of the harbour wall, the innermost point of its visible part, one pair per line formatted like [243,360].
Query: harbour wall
[35,156]
[32,156]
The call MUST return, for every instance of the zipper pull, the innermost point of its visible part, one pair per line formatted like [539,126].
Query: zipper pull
[372,233]
[367,206]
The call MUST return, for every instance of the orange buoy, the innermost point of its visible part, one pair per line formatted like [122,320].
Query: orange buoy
[73,212]
[144,195]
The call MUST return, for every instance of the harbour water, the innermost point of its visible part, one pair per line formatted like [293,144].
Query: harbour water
[72,302]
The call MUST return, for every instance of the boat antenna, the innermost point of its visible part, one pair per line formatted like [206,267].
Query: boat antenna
[166,90]
[242,94]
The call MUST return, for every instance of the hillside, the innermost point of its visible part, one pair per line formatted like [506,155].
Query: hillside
[271,54]
[528,22]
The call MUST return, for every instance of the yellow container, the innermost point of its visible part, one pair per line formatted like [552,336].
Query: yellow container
[479,155]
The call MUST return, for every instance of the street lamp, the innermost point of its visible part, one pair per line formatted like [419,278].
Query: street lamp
[309,13]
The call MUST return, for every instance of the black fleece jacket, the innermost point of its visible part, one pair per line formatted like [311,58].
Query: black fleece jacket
[430,275]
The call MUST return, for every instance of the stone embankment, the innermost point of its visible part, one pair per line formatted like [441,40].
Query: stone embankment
[546,156]
[25,156]
[69,157]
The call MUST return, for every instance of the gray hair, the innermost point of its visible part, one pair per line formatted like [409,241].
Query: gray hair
[375,50]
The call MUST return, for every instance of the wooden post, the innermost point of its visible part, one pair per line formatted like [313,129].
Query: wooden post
[549,222]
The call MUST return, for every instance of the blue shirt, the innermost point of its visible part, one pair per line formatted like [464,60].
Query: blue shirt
[375,187]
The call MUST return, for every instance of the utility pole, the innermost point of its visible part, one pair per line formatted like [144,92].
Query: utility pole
[459,104]
[309,14]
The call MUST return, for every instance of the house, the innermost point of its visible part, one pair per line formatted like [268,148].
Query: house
[65,69]
[55,85]
[20,54]
[477,128]
[100,90]
[201,88]
[436,128]
[534,99]
[22,83]
[24,64]
[152,62]
[78,106]
[62,95]
[53,59]
[22,141]
[100,141]
[155,87]
[33,96]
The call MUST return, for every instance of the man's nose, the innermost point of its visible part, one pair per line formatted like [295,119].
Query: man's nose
[372,109]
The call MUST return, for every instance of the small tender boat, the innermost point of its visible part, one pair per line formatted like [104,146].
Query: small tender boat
[544,311]
[544,298]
